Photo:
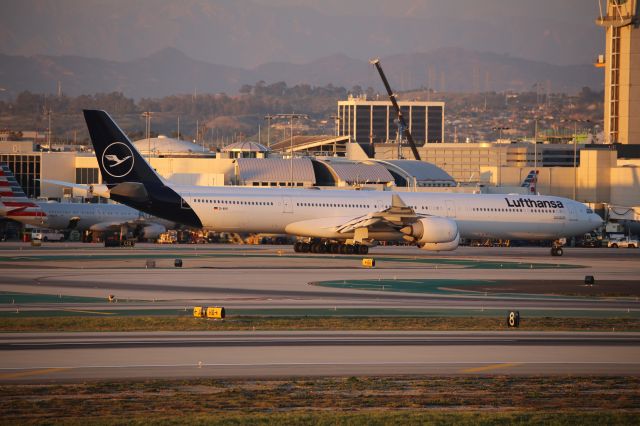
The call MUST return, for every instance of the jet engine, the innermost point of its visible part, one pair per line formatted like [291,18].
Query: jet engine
[152,231]
[448,246]
[430,230]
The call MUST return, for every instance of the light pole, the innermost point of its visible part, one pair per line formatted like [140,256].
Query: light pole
[48,113]
[575,156]
[535,156]
[575,152]
[147,115]
[290,117]
[500,129]
[268,117]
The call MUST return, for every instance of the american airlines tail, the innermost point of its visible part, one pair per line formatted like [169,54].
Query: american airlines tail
[129,177]
[531,181]
[13,201]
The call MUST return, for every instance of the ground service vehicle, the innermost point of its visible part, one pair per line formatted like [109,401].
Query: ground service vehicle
[623,242]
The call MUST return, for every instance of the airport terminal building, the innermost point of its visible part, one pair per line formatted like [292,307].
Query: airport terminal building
[600,174]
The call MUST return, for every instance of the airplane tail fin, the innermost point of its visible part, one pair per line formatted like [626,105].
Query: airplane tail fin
[531,181]
[118,159]
[13,200]
[9,186]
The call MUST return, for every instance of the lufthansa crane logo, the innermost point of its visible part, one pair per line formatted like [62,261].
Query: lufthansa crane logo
[117,160]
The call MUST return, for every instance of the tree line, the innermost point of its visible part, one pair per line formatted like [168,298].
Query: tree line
[260,98]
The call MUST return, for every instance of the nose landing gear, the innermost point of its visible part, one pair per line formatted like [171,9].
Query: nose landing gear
[556,249]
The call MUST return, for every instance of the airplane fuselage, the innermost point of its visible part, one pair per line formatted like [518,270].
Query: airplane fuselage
[78,216]
[316,213]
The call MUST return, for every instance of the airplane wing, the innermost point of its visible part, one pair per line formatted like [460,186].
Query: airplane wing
[395,217]
[146,228]
[86,190]
[106,226]
[427,231]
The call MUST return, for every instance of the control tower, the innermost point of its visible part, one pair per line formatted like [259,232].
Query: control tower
[622,70]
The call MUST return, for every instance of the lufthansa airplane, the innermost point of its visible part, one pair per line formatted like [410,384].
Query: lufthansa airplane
[337,221]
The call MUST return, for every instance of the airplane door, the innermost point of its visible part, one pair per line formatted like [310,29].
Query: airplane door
[287,206]
[451,208]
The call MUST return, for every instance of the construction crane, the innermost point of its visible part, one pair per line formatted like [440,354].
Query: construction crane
[402,124]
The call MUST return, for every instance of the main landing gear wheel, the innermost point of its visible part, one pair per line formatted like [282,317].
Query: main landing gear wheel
[333,248]
[362,249]
[557,251]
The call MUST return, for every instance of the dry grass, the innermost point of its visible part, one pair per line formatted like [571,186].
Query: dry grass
[354,400]
[150,323]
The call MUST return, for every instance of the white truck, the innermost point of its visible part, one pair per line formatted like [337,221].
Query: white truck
[46,235]
[623,242]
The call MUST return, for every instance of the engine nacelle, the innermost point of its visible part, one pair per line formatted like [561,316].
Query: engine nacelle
[153,231]
[98,190]
[451,245]
[432,229]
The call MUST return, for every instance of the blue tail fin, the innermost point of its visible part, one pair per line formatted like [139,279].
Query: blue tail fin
[118,159]
[129,177]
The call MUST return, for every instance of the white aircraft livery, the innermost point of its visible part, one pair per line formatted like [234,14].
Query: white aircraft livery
[337,221]
[15,205]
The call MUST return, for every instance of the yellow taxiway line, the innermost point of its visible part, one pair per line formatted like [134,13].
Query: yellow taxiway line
[490,367]
[4,376]
[89,312]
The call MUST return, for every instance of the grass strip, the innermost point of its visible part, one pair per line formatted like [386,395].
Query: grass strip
[369,418]
[343,400]
[239,323]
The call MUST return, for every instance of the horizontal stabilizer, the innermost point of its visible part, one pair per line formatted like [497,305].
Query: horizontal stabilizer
[133,191]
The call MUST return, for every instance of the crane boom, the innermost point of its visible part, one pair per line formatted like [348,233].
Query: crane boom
[394,102]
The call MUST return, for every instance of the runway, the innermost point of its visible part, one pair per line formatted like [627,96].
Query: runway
[80,356]
[273,277]
[76,279]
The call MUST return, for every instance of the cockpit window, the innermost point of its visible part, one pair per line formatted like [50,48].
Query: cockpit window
[589,211]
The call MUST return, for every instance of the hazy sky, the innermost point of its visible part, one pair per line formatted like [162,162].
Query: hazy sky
[566,10]
[248,33]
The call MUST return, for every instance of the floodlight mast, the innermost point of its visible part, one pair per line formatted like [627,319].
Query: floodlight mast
[405,129]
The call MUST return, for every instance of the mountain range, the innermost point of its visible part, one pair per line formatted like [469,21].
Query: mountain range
[169,71]
[249,33]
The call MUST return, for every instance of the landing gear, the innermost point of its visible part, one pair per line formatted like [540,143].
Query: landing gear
[333,248]
[300,247]
[556,251]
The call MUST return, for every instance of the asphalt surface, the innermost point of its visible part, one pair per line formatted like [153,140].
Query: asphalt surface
[81,356]
[272,277]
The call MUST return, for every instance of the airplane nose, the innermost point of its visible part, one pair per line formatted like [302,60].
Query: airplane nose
[596,220]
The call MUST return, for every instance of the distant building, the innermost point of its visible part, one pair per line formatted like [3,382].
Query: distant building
[246,150]
[163,146]
[370,122]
